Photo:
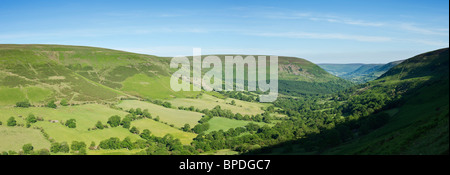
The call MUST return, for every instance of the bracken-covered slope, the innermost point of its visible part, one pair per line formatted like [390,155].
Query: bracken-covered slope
[39,73]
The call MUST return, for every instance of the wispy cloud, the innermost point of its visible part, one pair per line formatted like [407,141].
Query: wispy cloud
[307,35]
[99,32]
[322,18]
[341,20]
[424,31]
[429,42]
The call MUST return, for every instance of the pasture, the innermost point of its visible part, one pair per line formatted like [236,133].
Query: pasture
[152,87]
[13,138]
[169,115]
[209,102]
[220,123]
[86,116]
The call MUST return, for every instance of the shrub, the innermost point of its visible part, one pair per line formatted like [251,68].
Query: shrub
[23,104]
[51,104]
[114,121]
[64,102]
[31,118]
[71,123]
[27,148]
[11,122]
[99,125]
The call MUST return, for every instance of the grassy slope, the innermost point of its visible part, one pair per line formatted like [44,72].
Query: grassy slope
[57,68]
[419,125]
[73,72]
[169,115]
[13,138]
[209,102]
[153,87]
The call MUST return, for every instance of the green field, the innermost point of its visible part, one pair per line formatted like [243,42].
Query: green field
[113,152]
[9,96]
[221,152]
[153,87]
[169,115]
[85,115]
[13,138]
[209,102]
[220,123]
[160,130]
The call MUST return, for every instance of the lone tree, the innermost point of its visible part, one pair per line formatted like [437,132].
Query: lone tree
[126,122]
[55,147]
[99,125]
[114,121]
[51,104]
[27,148]
[186,127]
[71,123]
[64,102]
[31,118]
[11,122]
[134,130]
[146,114]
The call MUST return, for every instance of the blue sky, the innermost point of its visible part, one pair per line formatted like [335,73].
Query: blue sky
[322,31]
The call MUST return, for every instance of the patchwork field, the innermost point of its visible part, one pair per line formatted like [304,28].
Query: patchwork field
[209,102]
[86,116]
[169,115]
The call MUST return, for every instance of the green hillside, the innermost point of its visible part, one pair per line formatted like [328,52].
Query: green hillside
[79,74]
[405,111]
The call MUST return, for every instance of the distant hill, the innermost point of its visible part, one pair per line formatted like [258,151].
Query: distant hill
[340,69]
[39,73]
[359,73]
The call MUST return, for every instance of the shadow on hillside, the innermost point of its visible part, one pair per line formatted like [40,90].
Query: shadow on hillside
[343,133]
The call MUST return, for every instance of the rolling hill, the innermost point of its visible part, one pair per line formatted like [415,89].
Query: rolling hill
[404,111]
[39,73]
